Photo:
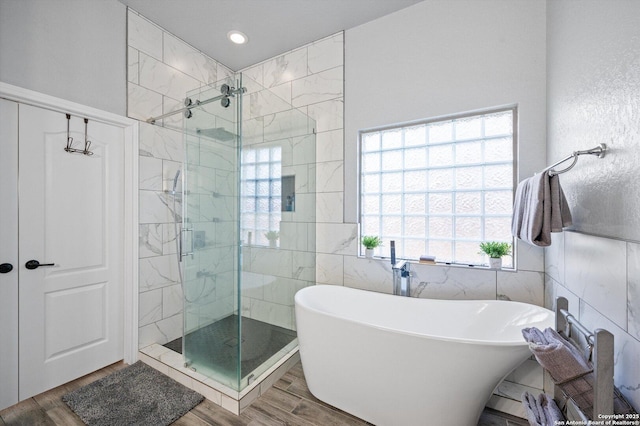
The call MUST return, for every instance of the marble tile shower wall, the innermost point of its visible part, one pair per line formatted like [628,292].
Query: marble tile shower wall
[161,70]
[309,79]
[601,279]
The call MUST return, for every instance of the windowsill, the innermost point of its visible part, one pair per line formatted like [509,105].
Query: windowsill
[443,264]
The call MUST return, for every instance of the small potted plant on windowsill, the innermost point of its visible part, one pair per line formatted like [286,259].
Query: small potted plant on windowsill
[370,242]
[272,236]
[495,250]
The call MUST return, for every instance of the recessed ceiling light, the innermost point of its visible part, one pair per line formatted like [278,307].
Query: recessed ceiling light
[237,37]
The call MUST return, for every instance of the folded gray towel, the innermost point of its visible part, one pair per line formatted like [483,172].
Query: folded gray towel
[556,354]
[541,411]
[560,213]
[540,208]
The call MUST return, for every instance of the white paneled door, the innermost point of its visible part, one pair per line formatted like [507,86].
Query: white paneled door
[8,253]
[71,223]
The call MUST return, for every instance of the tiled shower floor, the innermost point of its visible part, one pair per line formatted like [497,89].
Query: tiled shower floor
[215,346]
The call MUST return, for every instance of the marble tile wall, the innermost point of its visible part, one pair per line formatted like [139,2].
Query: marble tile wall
[309,79]
[161,70]
[600,277]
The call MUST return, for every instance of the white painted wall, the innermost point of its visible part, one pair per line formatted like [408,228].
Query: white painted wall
[71,49]
[443,57]
[594,97]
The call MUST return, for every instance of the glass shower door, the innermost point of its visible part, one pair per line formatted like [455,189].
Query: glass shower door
[277,224]
[248,229]
[211,342]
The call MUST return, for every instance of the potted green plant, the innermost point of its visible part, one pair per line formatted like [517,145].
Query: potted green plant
[272,236]
[370,242]
[495,250]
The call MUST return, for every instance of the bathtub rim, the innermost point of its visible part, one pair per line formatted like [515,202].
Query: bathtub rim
[507,343]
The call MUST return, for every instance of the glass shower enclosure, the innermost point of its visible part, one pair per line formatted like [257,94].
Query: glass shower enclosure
[248,228]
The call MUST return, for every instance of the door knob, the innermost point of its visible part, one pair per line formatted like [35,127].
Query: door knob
[33,264]
[5,268]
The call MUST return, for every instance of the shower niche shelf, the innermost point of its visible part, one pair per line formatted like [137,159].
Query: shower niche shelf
[288,200]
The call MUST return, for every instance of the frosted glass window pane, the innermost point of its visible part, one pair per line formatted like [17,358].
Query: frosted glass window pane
[415,158]
[263,155]
[441,155]
[276,186]
[262,221]
[248,221]
[275,171]
[440,227]
[370,204]
[467,252]
[248,204]
[249,188]
[442,250]
[371,183]
[392,160]
[468,128]
[391,204]
[427,186]
[499,124]
[440,203]
[370,142]
[391,139]
[498,150]
[276,153]
[413,249]
[391,226]
[414,136]
[414,204]
[468,228]
[263,171]
[442,132]
[249,155]
[499,176]
[274,222]
[263,205]
[498,202]
[468,153]
[440,179]
[371,162]
[263,188]
[248,172]
[469,178]
[468,203]
[497,228]
[414,226]
[371,225]
[392,182]
[415,181]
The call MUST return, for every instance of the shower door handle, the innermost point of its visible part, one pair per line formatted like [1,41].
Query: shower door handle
[34,264]
[190,252]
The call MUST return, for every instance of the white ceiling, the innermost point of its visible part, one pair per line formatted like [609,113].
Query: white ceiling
[273,26]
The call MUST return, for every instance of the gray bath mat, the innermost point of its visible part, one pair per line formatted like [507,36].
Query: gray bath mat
[136,395]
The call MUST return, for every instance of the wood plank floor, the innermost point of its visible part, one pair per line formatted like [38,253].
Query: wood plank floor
[288,402]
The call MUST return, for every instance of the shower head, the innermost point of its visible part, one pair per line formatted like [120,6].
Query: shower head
[219,133]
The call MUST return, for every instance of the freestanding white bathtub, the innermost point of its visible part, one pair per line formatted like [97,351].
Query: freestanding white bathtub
[400,361]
